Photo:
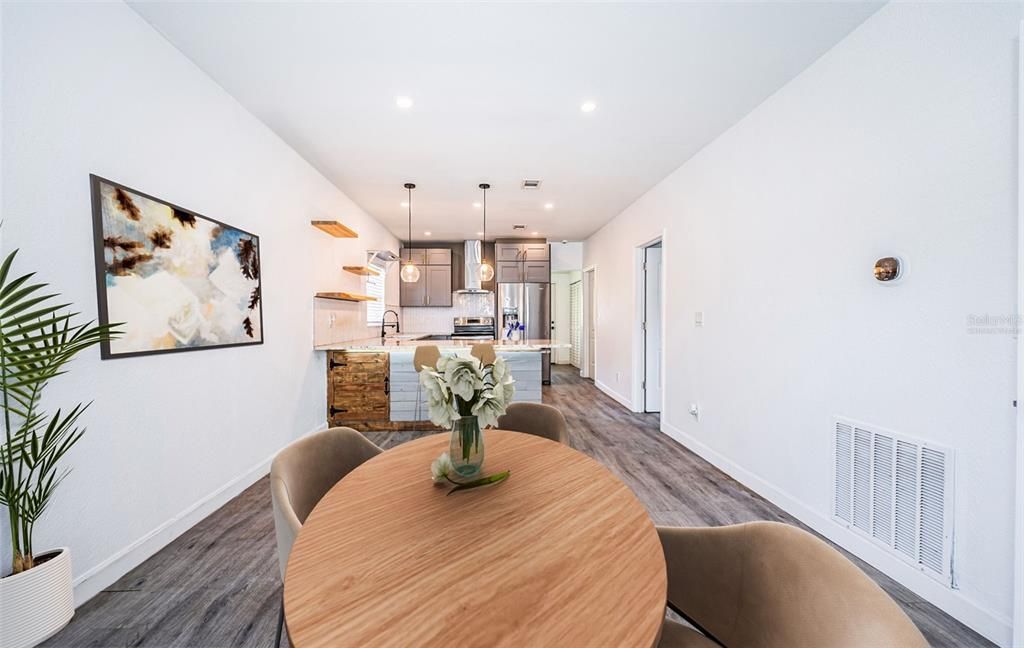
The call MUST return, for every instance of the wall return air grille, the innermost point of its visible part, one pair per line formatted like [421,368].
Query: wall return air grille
[897,491]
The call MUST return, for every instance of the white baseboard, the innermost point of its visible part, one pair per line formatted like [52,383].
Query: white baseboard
[625,402]
[95,579]
[993,626]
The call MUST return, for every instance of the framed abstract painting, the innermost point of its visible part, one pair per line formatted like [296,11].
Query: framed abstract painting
[178,280]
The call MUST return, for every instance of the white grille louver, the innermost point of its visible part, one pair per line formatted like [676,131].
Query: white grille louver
[896,490]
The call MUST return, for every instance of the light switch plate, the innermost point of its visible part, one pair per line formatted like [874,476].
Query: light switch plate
[698,318]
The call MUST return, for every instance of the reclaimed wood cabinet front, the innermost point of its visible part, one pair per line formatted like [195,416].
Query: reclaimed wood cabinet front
[358,387]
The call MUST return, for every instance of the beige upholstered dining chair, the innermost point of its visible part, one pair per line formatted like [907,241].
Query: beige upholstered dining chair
[301,475]
[425,357]
[772,585]
[535,418]
[484,352]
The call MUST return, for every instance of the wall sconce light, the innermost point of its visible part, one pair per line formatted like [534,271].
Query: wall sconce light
[889,269]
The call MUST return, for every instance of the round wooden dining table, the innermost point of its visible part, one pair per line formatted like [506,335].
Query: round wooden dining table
[559,554]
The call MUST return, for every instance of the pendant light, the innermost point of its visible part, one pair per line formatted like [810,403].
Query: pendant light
[410,273]
[486,269]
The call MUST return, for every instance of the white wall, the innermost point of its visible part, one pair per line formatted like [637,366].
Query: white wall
[566,257]
[92,88]
[900,140]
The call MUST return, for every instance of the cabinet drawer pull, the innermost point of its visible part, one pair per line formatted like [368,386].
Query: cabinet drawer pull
[387,385]
[335,365]
[337,410]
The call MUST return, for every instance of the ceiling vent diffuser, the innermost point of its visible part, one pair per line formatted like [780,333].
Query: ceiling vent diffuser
[531,184]
[897,491]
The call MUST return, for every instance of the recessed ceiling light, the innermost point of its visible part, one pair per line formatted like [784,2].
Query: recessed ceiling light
[536,233]
[549,205]
[588,106]
[406,102]
[479,233]
[404,204]
[477,205]
[426,233]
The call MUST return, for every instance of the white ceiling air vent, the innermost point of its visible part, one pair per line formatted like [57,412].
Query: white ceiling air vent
[897,491]
[530,184]
[519,227]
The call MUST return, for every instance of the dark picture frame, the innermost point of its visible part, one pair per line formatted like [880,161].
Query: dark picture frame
[103,243]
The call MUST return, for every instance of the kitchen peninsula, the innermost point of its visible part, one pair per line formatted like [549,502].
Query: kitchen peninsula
[372,385]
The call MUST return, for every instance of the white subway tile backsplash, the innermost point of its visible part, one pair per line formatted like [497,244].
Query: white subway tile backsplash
[439,320]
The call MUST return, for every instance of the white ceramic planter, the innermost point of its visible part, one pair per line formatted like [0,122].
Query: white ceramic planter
[35,604]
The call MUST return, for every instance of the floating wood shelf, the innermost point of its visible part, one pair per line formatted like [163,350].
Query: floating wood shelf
[344,296]
[361,270]
[334,228]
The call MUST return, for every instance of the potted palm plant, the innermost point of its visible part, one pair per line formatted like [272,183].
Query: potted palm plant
[38,337]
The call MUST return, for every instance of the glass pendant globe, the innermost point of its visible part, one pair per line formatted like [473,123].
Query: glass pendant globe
[486,272]
[410,273]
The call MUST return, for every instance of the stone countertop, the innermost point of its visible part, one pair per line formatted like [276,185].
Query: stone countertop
[406,341]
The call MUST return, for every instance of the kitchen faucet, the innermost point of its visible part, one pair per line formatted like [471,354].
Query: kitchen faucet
[384,324]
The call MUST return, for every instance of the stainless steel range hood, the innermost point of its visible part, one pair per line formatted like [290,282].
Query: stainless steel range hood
[471,268]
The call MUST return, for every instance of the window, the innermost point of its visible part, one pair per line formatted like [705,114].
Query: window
[375,288]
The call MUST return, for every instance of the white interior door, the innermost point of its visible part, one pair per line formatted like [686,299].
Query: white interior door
[652,328]
[589,325]
[575,321]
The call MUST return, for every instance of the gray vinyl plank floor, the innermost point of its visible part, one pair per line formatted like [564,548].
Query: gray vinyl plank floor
[217,585]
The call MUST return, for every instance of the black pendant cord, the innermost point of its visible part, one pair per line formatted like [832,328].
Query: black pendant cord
[485,187]
[409,187]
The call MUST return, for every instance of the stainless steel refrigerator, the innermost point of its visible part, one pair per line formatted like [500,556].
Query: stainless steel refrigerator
[528,304]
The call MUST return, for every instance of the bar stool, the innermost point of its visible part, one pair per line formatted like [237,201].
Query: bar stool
[425,357]
[484,352]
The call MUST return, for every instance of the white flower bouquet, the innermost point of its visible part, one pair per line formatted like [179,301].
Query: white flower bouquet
[462,386]
[465,395]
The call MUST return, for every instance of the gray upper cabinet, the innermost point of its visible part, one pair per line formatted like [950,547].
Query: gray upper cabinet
[535,252]
[438,285]
[414,293]
[438,257]
[522,262]
[511,252]
[509,272]
[537,272]
[434,287]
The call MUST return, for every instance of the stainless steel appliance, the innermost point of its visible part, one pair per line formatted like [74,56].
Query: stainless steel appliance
[528,304]
[473,328]
[473,257]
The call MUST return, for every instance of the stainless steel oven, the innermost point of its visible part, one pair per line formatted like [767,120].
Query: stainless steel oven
[473,328]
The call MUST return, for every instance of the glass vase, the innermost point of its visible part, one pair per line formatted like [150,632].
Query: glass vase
[467,448]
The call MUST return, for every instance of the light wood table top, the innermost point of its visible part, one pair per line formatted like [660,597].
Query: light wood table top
[560,554]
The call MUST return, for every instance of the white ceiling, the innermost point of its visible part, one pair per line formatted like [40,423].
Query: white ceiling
[497,90]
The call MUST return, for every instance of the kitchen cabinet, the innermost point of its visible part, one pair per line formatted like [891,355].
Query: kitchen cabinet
[509,272]
[536,272]
[507,252]
[439,256]
[521,252]
[434,287]
[438,285]
[358,387]
[519,262]
[535,251]
[413,293]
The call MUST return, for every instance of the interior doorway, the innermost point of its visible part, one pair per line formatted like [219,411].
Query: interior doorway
[589,368]
[652,327]
[575,321]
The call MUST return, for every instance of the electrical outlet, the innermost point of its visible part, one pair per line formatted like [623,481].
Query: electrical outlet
[698,319]
[695,411]
[330,320]
[618,377]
